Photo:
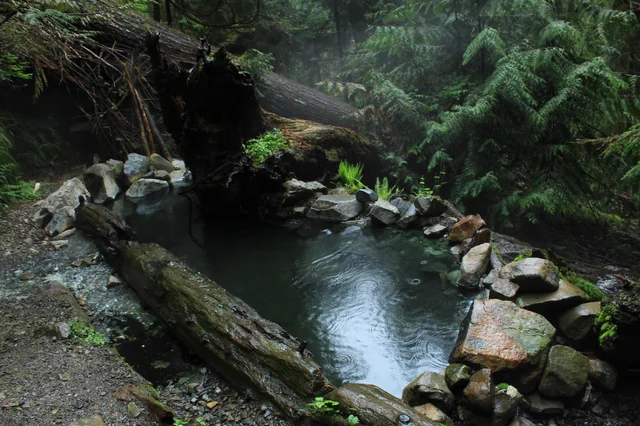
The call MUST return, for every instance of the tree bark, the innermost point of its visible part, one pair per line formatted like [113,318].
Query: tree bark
[225,332]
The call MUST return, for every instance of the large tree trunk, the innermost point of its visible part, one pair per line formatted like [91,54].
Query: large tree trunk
[224,331]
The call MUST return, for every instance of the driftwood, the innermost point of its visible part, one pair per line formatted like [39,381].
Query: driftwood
[225,332]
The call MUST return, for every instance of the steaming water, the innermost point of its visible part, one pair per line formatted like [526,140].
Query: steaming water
[374,305]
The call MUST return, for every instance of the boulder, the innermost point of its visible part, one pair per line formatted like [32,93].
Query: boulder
[536,404]
[496,259]
[57,211]
[505,405]
[178,164]
[478,394]
[162,175]
[565,373]
[532,275]
[117,165]
[602,374]
[429,387]
[521,421]
[146,187]
[509,247]
[136,167]
[465,228]
[510,341]
[335,208]
[566,296]
[299,191]
[474,265]
[482,236]
[180,176]
[429,206]
[491,277]
[409,218]
[157,162]
[373,406]
[366,195]
[457,376]
[435,231]
[503,289]
[403,205]
[100,181]
[384,212]
[577,322]
[435,414]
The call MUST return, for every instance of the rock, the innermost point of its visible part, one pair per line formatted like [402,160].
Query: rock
[577,322]
[435,231]
[62,330]
[603,374]
[429,387]
[113,281]
[521,421]
[565,373]
[505,405]
[116,165]
[90,421]
[60,244]
[157,162]
[435,414]
[491,277]
[162,175]
[429,206]
[335,208]
[26,276]
[403,205]
[510,341]
[146,187]
[64,234]
[136,167]
[57,212]
[465,228]
[532,275]
[469,417]
[482,236]
[100,180]
[478,394]
[376,407]
[509,247]
[297,191]
[566,296]
[133,410]
[366,195]
[496,260]
[384,212]
[536,404]
[474,265]
[409,218]
[457,376]
[503,289]
[180,176]
[178,164]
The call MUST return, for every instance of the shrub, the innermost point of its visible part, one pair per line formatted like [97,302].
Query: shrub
[265,146]
[350,175]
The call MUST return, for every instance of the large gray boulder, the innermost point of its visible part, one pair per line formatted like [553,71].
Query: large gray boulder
[429,206]
[533,275]
[566,296]
[577,322]
[384,212]
[57,211]
[474,265]
[146,187]
[157,162]
[565,373]
[299,191]
[335,208]
[510,341]
[429,387]
[100,180]
[136,167]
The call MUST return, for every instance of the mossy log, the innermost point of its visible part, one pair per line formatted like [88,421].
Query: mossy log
[224,331]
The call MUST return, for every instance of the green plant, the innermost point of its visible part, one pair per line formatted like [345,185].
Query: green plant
[383,190]
[350,175]
[353,420]
[591,290]
[607,330]
[258,64]
[503,386]
[265,146]
[328,407]
[200,421]
[422,189]
[180,422]
[86,334]
[524,255]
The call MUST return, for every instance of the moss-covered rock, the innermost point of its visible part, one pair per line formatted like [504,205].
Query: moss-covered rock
[565,373]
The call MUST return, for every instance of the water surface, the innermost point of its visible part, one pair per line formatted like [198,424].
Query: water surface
[373,304]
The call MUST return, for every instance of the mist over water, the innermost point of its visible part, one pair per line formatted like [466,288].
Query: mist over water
[374,305]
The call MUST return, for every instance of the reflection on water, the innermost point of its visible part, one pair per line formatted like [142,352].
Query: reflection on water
[374,305]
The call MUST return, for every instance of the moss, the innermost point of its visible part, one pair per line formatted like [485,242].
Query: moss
[86,334]
[524,255]
[332,155]
[607,330]
[503,386]
[590,289]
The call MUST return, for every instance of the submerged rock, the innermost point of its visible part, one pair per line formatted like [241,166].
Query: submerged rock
[577,322]
[474,265]
[510,341]
[532,275]
[429,387]
[384,212]
[465,228]
[136,167]
[146,187]
[565,373]
[57,211]
[335,208]
[566,296]
[100,181]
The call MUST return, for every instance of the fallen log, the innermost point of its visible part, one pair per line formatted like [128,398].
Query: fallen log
[225,332]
